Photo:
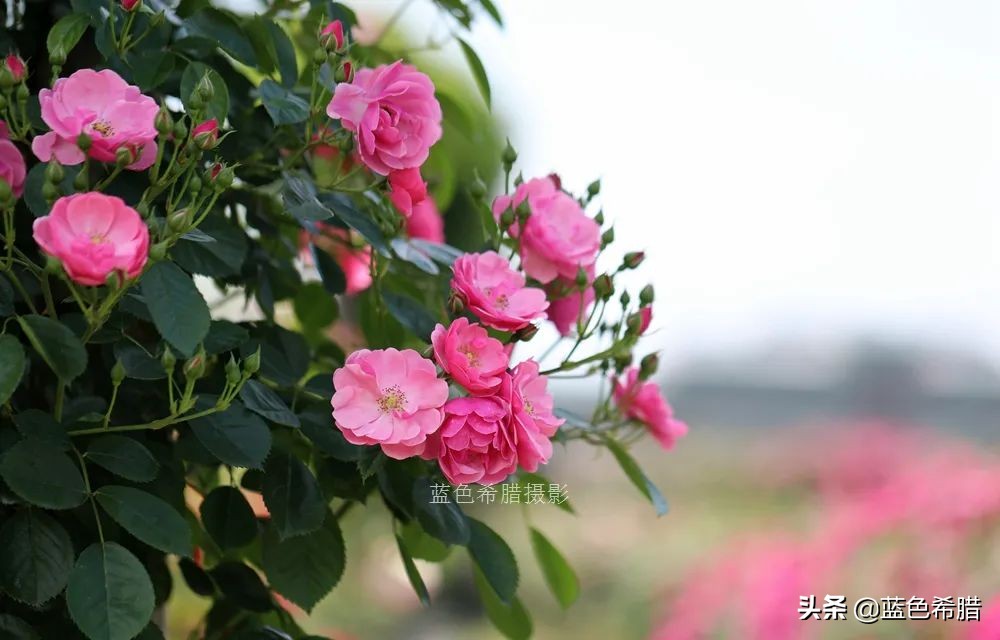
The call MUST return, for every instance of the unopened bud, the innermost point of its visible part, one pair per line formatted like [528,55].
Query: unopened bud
[332,37]
[523,211]
[6,193]
[113,280]
[163,122]
[456,305]
[344,72]
[604,287]
[52,264]
[582,278]
[194,368]
[84,142]
[478,188]
[633,324]
[205,89]
[648,366]
[233,373]
[50,192]
[168,360]
[180,220]
[608,237]
[319,56]
[251,364]
[633,259]
[225,179]
[57,57]
[124,156]
[131,5]
[180,130]
[7,80]
[117,373]
[594,188]
[599,218]
[509,156]
[158,251]
[525,334]
[16,66]
[80,181]
[625,298]
[622,361]
[506,219]
[206,134]
[646,295]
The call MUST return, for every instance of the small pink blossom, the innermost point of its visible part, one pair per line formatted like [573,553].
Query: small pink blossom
[495,293]
[394,114]
[641,400]
[564,312]
[206,134]
[476,442]
[407,189]
[470,356]
[533,415]
[558,238]
[16,66]
[130,5]
[94,235]
[113,113]
[12,169]
[332,36]
[390,398]
[426,222]
[646,317]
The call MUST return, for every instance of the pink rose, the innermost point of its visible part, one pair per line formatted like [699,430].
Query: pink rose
[533,415]
[641,400]
[206,134]
[558,238]
[16,66]
[94,235]
[394,114]
[406,189]
[564,312]
[332,36]
[113,113]
[646,315]
[390,398]
[475,443]
[130,5]
[354,261]
[425,222]
[12,170]
[491,289]
[470,356]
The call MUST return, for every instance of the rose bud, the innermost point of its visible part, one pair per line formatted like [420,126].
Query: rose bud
[646,295]
[206,134]
[131,5]
[345,72]
[16,66]
[648,366]
[633,259]
[604,287]
[332,36]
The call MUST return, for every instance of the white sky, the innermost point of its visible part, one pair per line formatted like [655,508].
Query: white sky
[795,168]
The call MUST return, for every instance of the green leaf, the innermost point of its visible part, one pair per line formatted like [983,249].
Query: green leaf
[37,557]
[315,308]
[147,517]
[224,336]
[478,72]
[218,106]
[176,306]
[124,457]
[319,428]
[293,496]
[421,545]
[224,29]
[525,478]
[66,33]
[558,574]
[221,258]
[196,578]
[512,620]
[263,401]
[416,581]
[305,568]
[300,199]
[12,363]
[242,584]
[638,478]
[288,66]
[228,518]
[415,255]
[12,628]
[494,558]
[58,346]
[109,596]
[151,68]
[444,520]
[282,104]
[43,475]
[411,314]
[347,212]
[334,280]
[138,363]
[35,424]
[6,298]
[492,10]
[234,436]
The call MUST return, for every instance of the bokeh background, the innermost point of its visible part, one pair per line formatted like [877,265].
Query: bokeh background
[815,184]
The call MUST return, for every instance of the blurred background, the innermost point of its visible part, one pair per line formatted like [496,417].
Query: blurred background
[815,185]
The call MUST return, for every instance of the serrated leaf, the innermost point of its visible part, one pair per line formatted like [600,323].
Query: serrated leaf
[35,424]
[64,34]
[638,478]
[224,29]
[228,518]
[178,309]
[348,212]
[36,559]
[411,314]
[444,520]
[13,628]
[12,363]
[243,586]
[315,308]
[58,346]
[305,568]
[146,517]
[560,577]
[413,574]
[478,71]
[282,104]
[234,436]
[494,558]
[293,496]
[512,620]
[109,595]
[43,475]
[333,277]
[263,401]
[124,457]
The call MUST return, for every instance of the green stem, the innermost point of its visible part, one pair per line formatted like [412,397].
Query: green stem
[90,493]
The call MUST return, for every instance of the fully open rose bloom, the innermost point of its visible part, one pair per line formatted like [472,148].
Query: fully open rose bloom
[558,238]
[491,289]
[94,235]
[641,400]
[533,414]
[12,169]
[388,397]
[113,113]
[394,114]
[470,356]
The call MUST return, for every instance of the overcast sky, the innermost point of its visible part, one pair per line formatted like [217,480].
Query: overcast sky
[795,169]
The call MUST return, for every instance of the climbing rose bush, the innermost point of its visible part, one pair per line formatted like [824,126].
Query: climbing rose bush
[257,275]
